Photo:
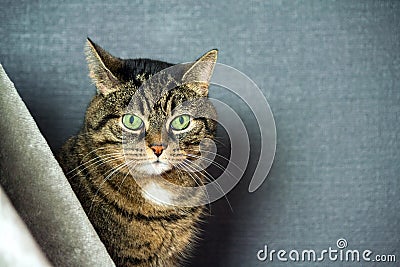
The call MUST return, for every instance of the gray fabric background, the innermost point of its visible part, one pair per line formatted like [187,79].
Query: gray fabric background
[330,71]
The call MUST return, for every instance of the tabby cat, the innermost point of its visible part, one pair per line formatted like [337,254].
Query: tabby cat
[130,133]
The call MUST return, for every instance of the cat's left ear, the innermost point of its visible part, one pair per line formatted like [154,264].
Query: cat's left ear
[102,66]
[199,74]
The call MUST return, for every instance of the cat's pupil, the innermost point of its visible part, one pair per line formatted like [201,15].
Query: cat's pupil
[131,119]
[181,120]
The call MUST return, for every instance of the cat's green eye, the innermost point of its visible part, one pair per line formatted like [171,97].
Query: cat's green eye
[180,123]
[132,122]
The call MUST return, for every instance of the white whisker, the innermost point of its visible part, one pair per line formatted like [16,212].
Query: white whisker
[120,166]
[222,157]
[216,164]
[97,159]
[181,165]
[209,178]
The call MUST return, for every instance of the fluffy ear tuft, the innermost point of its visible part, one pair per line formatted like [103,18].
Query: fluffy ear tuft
[102,66]
[199,74]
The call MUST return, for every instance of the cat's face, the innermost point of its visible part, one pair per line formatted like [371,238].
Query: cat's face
[151,129]
[164,135]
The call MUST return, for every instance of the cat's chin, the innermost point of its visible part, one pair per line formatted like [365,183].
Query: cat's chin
[153,168]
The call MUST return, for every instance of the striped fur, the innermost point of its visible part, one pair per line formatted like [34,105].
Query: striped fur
[135,230]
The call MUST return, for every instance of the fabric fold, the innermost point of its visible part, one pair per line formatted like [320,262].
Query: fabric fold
[40,192]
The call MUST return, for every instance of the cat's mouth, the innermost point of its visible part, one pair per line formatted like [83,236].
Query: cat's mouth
[156,167]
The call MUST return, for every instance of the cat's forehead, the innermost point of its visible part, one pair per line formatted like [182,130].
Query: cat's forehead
[160,101]
[159,94]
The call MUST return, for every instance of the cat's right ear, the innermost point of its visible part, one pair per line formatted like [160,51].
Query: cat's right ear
[102,66]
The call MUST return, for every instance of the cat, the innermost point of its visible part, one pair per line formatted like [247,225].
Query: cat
[103,165]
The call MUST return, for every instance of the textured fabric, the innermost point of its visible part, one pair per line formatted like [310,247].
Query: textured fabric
[38,189]
[16,239]
[329,69]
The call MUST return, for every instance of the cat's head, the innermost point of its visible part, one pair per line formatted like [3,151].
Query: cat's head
[155,120]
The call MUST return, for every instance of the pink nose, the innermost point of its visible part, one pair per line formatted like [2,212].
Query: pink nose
[157,149]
